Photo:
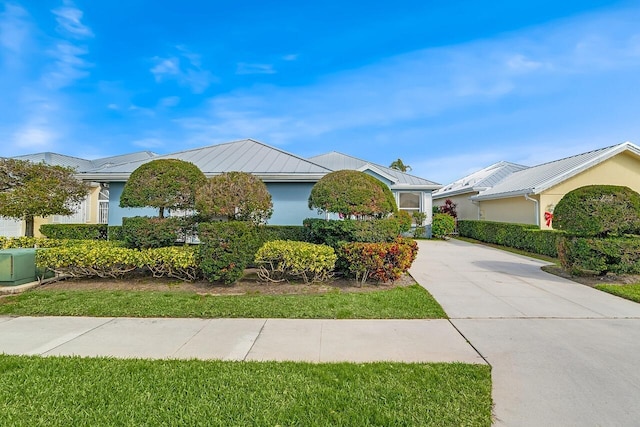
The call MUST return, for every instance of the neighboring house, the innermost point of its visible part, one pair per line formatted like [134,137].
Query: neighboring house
[289,178]
[527,195]
[94,209]
[413,194]
[461,191]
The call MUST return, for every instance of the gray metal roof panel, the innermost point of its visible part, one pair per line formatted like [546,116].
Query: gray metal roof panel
[338,161]
[243,156]
[479,180]
[539,178]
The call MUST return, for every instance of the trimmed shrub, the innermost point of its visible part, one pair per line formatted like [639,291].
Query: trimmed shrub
[141,232]
[75,231]
[382,262]
[599,211]
[180,262]
[29,242]
[404,220]
[335,232]
[226,249]
[443,225]
[526,237]
[584,255]
[90,258]
[280,260]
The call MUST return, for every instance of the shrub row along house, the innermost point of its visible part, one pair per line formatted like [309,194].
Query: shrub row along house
[289,179]
[508,192]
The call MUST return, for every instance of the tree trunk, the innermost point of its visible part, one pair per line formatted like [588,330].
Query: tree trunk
[162,212]
[28,226]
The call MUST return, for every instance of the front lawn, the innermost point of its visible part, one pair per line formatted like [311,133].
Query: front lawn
[63,391]
[631,292]
[411,302]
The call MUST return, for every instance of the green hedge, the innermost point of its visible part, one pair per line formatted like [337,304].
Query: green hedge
[141,232]
[75,231]
[336,232]
[443,225]
[591,255]
[297,233]
[527,237]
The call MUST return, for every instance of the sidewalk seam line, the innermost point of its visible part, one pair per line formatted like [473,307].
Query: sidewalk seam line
[244,359]
[80,335]
[470,343]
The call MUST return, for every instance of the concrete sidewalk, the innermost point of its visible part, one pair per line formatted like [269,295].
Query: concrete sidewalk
[238,339]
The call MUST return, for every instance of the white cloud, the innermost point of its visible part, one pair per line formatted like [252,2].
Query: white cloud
[69,21]
[290,57]
[246,68]
[68,66]
[14,28]
[185,68]
[149,143]
[169,101]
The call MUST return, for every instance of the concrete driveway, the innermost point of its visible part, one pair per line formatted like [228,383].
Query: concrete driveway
[563,354]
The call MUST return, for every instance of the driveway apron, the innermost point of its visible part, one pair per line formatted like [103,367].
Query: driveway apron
[562,354]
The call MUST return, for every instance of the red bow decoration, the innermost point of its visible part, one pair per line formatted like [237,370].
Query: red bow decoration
[548,216]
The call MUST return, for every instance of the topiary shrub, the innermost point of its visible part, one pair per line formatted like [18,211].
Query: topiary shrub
[404,220]
[226,249]
[598,211]
[235,196]
[180,262]
[352,193]
[280,260]
[382,262]
[162,184]
[443,225]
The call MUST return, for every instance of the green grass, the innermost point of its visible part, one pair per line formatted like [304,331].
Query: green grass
[412,302]
[63,391]
[631,292]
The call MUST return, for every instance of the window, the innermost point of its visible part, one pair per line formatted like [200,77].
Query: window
[409,201]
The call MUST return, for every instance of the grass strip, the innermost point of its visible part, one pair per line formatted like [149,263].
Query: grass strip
[630,292]
[65,391]
[412,302]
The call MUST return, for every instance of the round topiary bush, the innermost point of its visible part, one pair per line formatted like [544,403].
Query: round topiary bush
[598,211]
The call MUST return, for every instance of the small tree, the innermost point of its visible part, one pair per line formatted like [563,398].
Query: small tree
[352,193]
[399,165]
[162,184]
[30,189]
[236,196]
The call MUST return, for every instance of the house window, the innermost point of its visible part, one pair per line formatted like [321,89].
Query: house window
[409,201]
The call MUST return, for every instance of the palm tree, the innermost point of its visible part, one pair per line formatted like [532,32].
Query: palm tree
[400,166]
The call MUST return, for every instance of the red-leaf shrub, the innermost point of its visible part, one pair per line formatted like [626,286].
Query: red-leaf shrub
[382,262]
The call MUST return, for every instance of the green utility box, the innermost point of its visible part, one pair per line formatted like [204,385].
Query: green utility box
[17,266]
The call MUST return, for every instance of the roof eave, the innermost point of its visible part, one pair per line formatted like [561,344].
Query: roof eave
[481,197]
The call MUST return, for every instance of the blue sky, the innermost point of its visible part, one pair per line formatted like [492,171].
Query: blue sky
[449,87]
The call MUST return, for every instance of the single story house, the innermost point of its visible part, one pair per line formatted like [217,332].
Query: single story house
[289,178]
[529,195]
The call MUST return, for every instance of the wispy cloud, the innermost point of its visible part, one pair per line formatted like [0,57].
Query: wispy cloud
[69,20]
[14,28]
[246,68]
[185,68]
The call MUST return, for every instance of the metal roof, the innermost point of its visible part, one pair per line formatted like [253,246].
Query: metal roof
[537,179]
[83,165]
[479,180]
[399,180]
[267,163]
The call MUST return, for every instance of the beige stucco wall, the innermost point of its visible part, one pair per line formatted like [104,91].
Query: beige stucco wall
[464,207]
[513,209]
[623,169]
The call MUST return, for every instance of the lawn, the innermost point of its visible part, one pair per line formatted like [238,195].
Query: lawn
[411,302]
[631,292]
[63,391]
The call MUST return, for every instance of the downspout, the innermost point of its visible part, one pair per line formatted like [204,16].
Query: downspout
[526,196]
